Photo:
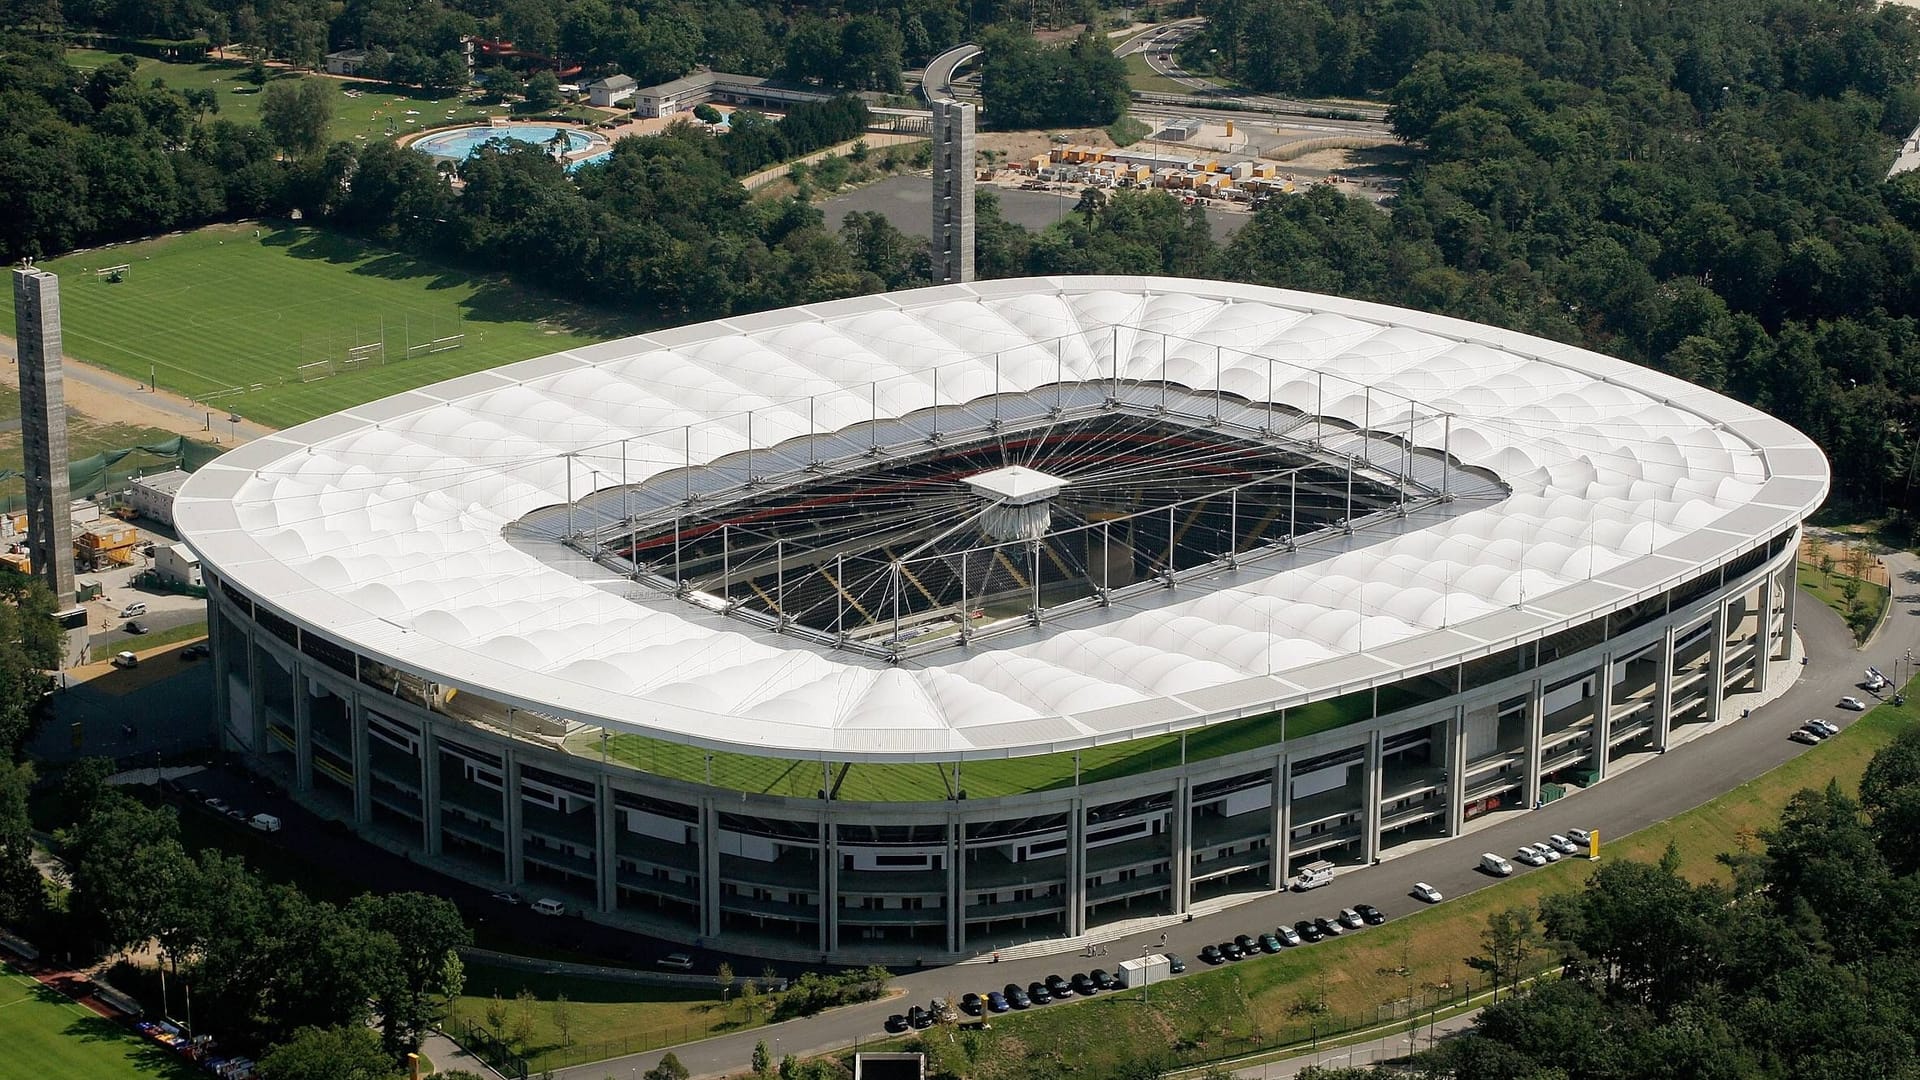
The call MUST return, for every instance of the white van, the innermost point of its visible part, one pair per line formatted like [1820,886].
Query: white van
[125,660]
[265,822]
[1495,865]
[678,961]
[548,906]
[1312,876]
[133,610]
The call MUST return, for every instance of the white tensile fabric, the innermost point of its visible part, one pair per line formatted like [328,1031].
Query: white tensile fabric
[381,527]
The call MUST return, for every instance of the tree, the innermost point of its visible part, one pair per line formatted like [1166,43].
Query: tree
[563,1019]
[749,999]
[296,112]
[1510,940]
[707,114]
[1890,793]
[668,1069]
[125,862]
[762,1060]
[523,1022]
[335,1053]
[543,90]
[22,893]
[426,933]
[30,641]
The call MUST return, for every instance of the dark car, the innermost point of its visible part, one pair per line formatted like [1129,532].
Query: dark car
[919,1019]
[1373,916]
[1212,955]
[1102,980]
[896,1023]
[1082,985]
[195,652]
[971,1004]
[1270,944]
[1245,942]
[1015,996]
[1038,993]
[1058,987]
[1175,964]
[1328,927]
[135,627]
[996,1003]
[1308,932]
[1232,950]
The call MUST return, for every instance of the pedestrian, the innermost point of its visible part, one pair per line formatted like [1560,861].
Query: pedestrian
[996,956]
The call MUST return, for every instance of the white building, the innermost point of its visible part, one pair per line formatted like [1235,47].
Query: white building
[177,563]
[610,91]
[153,495]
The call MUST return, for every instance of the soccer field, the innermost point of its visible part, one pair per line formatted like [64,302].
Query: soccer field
[296,323]
[46,1035]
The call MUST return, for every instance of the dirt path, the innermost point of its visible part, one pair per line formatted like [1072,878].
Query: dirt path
[109,398]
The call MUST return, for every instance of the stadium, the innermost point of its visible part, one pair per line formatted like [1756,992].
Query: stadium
[928,623]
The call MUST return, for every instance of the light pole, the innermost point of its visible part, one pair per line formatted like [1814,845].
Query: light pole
[1146,973]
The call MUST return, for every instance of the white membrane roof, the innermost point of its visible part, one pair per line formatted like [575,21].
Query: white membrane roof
[381,526]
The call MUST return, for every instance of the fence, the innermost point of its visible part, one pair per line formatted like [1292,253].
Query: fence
[359,344]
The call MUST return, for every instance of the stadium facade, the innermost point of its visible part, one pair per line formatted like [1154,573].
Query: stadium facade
[930,622]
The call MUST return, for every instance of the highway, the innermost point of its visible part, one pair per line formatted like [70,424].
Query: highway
[1655,789]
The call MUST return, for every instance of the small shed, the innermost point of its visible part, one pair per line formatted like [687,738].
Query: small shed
[610,91]
[177,563]
[346,61]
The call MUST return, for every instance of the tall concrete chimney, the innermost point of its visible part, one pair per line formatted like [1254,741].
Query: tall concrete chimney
[43,426]
[953,123]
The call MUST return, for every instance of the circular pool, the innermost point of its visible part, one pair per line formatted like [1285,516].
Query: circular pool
[458,144]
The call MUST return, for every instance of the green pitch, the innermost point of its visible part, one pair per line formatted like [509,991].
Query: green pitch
[44,1034]
[265,326]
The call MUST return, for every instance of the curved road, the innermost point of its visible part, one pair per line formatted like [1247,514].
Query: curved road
[1654,790]
[937,82]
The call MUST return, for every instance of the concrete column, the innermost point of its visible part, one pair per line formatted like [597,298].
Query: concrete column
[511,805]
[1717,663]
[709,870]
[829,886]
[1370,820]
[1455,756]
[362,755]
[1180,826]
[1279,826]
[1764,646]
[1536,719]
[302,736]
[606,847]
[1786,621]
[257,693]
[222,708]
[430,787]
[956,884]
[1602,717]
[1077,868]
[1663,695]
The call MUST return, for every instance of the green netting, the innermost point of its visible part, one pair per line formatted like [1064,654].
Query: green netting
[91,475]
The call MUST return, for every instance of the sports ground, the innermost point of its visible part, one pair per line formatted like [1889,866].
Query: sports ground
[282,324]
[47,1035]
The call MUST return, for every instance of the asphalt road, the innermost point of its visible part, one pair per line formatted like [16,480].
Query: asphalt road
[1653,791]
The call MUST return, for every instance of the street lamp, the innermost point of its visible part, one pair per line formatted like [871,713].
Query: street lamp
[1146,973]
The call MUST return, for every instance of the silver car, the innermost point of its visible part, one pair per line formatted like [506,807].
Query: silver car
[1563,845]
[1547,852]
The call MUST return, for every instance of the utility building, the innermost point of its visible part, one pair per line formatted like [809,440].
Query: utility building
[43,428]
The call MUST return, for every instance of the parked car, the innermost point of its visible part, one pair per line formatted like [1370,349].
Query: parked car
[1081,984]
[1102,980]
[135,628]
[1425,892]
[972,1004]
[1853,703]
[1308,932]
[1015,996]
[1527,855]
[1211,954]
[1495,865]
[1802,735]
[1058,987]
[1287,934]
[1579,836]
[1563,845]
[1270,944]
[1245,942]
[919,1019]
[1370,915]
[896,1023]
[547,905]
[133,610]
[1231,951]
[1350,919]
[677,961]
[195,651]
[1828,727]
[1175,964]
[996,1002]
[1546,852]
[1329,927]
[125,660]
[265,822]
[217,804]
[1813,728]
[1038,993]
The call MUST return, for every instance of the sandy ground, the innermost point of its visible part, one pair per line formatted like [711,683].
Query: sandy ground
[105,397]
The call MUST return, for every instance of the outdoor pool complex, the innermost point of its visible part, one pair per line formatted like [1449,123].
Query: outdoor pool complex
[459,144]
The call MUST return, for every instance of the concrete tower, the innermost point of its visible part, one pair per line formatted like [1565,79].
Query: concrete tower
[952,191]
[43,425]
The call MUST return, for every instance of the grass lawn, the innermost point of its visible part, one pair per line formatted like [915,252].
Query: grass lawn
[1830,590]
[1141,76]
[45,1035]
[373,111]
[607,1019]
[170,636]
[219,308]
[1252,1006]
[86,437]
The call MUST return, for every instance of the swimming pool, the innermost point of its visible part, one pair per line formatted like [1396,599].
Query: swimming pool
[458,144]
